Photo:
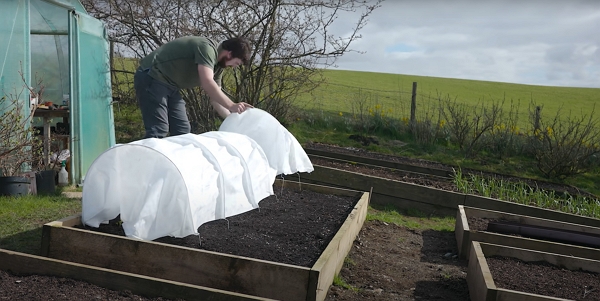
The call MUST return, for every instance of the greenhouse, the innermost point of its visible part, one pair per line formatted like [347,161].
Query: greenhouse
[54,46]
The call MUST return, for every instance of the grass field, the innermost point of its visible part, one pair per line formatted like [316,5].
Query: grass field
[21,219]
[393,92]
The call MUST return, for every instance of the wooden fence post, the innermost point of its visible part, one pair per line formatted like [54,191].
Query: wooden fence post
[538,113]
[413,107]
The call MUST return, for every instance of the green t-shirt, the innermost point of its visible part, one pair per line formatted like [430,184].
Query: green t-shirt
[175,62]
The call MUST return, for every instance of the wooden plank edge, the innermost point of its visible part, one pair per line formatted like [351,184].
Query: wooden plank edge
[457,198]
[527,210]
[564,261]
[405,204]
[532,244]
[332,259]
[26,264]
[530,220]
[479,278]
[461,230]
[113,252]
[510,295]
[143,249]
[415,192]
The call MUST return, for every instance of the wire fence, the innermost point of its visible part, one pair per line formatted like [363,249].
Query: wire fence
[411,104]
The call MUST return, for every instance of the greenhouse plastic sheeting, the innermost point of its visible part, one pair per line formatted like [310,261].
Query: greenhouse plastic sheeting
[171,186]
[57,46]
[283,151]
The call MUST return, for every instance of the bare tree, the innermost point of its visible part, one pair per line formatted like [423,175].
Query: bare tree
[19,146]
[292,42]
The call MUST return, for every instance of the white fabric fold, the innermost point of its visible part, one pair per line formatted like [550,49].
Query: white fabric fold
[284,152]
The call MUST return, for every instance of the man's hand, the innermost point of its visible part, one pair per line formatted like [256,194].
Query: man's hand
[239,107]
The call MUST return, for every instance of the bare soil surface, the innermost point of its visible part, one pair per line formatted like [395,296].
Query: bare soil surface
[544,278]
[387,262]
[44,288]
[390,262]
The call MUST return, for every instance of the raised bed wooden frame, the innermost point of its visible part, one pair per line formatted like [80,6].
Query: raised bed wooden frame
[464,235]
[242,275]
[25,264]
[426,199]
[481,283]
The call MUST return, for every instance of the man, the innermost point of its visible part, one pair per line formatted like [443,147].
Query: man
[184,63]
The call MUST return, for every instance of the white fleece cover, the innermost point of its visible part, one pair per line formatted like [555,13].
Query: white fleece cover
[171,186]
[283,151]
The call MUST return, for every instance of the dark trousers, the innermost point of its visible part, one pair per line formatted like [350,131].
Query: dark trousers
[163,108]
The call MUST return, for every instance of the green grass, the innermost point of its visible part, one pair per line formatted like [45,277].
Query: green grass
[339,281]
[393,91]
[22,218]
[412,219]
[522,193]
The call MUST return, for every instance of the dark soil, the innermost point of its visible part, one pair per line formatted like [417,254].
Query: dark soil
[290,227]
[544,278]
[390,262]
[387,262]
[44,288]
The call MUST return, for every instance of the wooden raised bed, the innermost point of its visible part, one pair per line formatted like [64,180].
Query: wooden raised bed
[481,283]
[464,235]
[243,275]
[429,200]
[389,192]
[25,264]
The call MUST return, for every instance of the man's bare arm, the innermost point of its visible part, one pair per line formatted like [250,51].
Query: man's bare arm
[221,110]
[216,95]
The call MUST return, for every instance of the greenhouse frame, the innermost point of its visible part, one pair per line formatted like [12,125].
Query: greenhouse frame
[58,43]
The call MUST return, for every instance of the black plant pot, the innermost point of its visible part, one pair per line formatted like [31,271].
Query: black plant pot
[14,186]
[45,182]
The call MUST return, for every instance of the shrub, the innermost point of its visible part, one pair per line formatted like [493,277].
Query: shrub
[466,125]
[564,146]
[19,147]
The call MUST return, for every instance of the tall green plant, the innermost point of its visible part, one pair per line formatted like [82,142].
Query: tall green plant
[520,192]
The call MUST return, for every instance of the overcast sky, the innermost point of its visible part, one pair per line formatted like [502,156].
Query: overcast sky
[539,42]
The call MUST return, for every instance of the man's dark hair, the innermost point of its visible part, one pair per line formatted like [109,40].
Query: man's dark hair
[239,47]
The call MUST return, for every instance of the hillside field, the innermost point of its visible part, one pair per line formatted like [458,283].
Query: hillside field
[344,90]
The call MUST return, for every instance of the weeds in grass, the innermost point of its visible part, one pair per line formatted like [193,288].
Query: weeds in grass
[339,281]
